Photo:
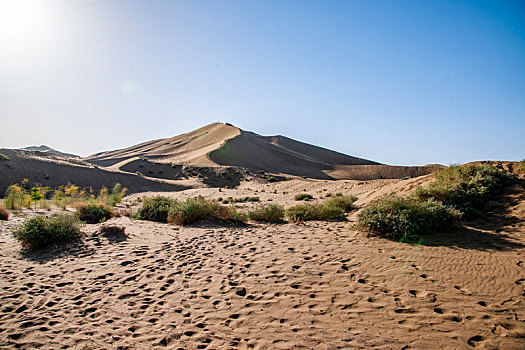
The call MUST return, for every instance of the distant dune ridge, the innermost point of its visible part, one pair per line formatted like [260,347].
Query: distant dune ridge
[158,165]
[44,148]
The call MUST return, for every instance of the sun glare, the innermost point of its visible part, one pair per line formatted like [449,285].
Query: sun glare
[25,24]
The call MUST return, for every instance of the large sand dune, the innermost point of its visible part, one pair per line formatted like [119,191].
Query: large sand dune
[225,145]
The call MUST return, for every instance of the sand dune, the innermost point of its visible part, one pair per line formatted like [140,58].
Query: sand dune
[318,285]
[225,145]
[53,170]
[47,149]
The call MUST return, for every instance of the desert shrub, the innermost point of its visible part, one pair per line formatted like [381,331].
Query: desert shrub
[3,157]
[343,202]
[4,213]
[192,210]
[323,211]
[269,213]
[230,214]
[330,211]
[117,193]
[155,209]
[466,188]
[16,197]
[303,197]
[40,231]
[92,213]
[302,212]
[239,200]
[403,217]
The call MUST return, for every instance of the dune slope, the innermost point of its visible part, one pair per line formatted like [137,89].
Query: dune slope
[52,170]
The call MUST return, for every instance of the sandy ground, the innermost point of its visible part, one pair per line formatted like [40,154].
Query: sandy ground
[319,285]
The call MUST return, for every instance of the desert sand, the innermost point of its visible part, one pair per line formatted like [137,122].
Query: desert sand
[317,285]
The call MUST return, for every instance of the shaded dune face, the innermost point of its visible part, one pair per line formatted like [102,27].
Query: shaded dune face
[279,154]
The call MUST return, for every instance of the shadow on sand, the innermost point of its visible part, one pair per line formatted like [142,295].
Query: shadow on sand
[74,249]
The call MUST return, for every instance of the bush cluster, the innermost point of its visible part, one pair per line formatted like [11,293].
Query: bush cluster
[466,188]
[340,201]
[155,209]
[191,210]
[3,157]
[92,213]
[41,231]
[22,195]
[456,192]
[195,209]
[303,197]
[334,208]
[268,213]
[240,200]
[397,217]
[305,212]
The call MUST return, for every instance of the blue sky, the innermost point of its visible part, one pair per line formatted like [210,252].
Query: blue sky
[399,82]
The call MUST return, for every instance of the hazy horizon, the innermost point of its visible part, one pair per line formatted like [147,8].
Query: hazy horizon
[402,83]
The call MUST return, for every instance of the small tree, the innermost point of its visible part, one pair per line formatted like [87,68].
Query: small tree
[36,195]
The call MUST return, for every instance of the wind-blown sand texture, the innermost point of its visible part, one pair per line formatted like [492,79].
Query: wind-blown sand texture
[319,285]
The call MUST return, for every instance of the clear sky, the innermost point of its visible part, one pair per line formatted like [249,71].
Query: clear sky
[399,82]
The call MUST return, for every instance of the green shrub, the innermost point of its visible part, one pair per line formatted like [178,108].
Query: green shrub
[466,188]
[324,211]
[303,197]
[343,202]
[41,231]
[94,213]
[155,209]
[269,213]
[239,200]
[117,193]
[3,157]
[4,214]
[403,217]
[195,209]
[191,210]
